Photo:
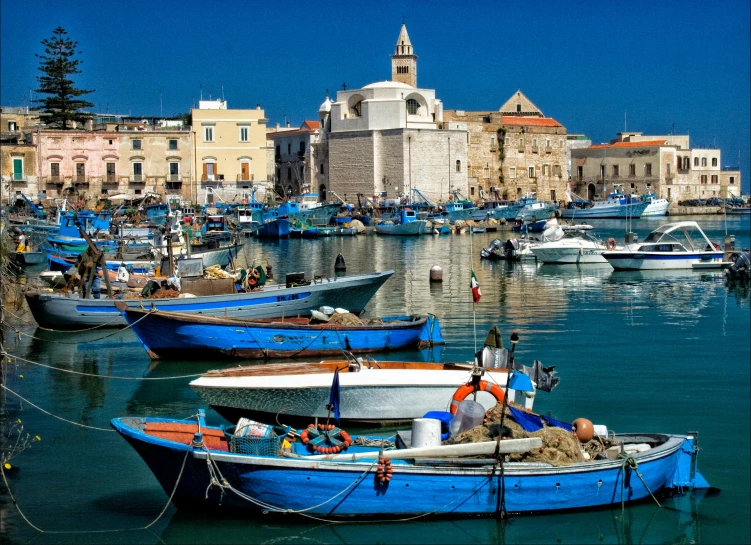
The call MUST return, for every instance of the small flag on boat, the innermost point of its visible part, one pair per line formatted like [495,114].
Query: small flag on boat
[334,396]
[476,293]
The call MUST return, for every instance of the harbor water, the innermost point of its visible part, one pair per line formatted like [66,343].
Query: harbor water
[654,351]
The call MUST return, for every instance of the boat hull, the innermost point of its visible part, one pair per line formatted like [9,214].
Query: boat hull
[579,254]
[639,261]
[434,486]
[606,211]
[658,207]
[412,228]
[352,292]
[177,335]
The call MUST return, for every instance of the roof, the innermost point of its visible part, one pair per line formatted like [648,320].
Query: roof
[530,121]
[630,144]
[388,85]
[307,127]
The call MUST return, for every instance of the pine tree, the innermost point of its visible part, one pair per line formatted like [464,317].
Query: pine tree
[63,105]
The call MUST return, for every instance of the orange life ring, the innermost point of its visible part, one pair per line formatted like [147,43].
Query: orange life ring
[331,441]
[610,244]
[465,389]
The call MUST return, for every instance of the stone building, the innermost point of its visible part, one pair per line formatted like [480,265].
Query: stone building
[515,151]
[665,165]
[134,160]
[390,137]
[295,159]
[19,162]
[229,150]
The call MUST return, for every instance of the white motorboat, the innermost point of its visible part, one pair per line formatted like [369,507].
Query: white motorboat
[572,247]
[383,391]
[677,245]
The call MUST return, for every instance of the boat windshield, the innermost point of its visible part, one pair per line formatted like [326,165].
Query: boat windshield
[689,236]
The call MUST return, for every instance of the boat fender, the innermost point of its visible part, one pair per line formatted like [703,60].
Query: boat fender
[317,442]
[610,244]
[583,430]
[384,470]
[465,389]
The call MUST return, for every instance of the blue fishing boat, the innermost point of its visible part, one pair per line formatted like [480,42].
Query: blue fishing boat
[327,472]
[408,225]
[55,310]
[62,264]
[169,335]
[276,222]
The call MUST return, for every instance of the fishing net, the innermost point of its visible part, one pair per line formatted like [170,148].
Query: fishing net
[256,446]
[559,446]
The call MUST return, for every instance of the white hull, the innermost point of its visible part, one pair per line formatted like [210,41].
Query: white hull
[569,255]
[652,261]
[371,395]
[657,207]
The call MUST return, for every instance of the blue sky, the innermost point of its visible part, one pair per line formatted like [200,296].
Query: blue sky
[671,65]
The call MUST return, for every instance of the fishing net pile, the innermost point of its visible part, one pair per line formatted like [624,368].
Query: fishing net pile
[559,446]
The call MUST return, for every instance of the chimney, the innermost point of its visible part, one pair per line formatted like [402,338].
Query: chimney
[287,123]
[258,106]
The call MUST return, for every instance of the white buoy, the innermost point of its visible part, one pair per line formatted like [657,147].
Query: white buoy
[426,432]
[436,274]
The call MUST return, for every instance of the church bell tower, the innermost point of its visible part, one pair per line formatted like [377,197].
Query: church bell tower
[404,61]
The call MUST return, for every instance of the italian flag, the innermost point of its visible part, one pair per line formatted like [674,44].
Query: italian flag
[476,294]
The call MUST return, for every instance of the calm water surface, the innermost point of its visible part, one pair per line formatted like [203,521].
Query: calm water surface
[638,352]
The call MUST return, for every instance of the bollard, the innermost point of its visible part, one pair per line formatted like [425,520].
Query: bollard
[269,273]
[436,274]
[339,265]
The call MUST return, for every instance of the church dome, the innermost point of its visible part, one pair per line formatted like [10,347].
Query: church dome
[326,106]
[388,85]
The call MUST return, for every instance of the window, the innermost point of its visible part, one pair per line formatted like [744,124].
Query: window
[547,143]
[289,173]
[289,148]
[668,170]
[557,170]
[208,134]
[278,150]
[633,186]
[531,172]
[714,179]
[80,172]
[703,178]
[55,171]
[137,172]
[703,161]
[412,106]
[17,168]
[686,163]
[109,142]
[696,161]
[512,173]
[174,171]
[552,195]
[12,126]
[136,144]
[602,171]
[615,171]
[546,170]
[632,170]
[172,144]
[472,191]
[458,166]
[492,142]
[580,173]
[302,147]
[321,168]
[648,169]
[487,171]
[732,179]
[357,109]
[714,161]
[508,140]
[243,134]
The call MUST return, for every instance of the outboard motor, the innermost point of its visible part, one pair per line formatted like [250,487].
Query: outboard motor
[494,251]
[511,249]
[741,269]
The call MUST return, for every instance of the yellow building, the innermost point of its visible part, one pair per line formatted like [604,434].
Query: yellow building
[230,150]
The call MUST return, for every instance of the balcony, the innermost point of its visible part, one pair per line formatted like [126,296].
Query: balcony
[54,180]
[18,177]
[110,179]
[245,177]
[521,149]
[80,180]
[669,176]
[535,149]
[548,149]
[137,179]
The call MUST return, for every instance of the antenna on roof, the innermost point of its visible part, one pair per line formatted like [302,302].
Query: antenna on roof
[222,93]
[200,86]
[624,121]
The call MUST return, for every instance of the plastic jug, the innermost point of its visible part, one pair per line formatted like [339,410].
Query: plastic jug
[468,415]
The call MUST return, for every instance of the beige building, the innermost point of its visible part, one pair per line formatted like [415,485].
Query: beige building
[230,150]
[515,151]
[295,160]
[665,165]
[19,162]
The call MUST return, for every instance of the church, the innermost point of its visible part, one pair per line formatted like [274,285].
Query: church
[389,138]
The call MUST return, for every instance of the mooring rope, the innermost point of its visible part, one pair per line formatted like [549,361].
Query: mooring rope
[62,330]
[81,342]
[112,377]
[629,461]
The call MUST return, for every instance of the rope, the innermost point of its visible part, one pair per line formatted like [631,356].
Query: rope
[62,330]
[4,387]
[629,461]
[147,527]
[113,377]
[82,342]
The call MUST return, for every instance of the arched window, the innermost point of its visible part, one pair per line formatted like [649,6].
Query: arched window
[412,106]
[686,163]
[696,161]
[703,161]
[714,161]
[357,109]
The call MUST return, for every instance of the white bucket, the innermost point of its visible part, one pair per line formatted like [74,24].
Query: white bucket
[426,432]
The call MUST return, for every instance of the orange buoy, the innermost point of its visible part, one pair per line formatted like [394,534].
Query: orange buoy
[584,430]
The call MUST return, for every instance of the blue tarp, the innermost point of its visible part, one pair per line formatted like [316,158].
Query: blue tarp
[528,422]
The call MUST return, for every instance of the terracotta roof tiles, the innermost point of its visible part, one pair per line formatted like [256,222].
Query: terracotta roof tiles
[530,121]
